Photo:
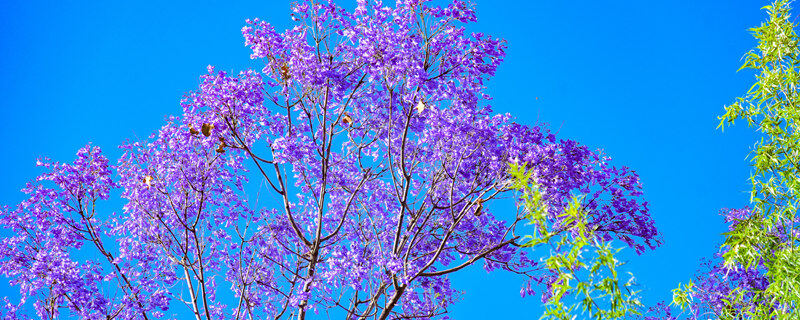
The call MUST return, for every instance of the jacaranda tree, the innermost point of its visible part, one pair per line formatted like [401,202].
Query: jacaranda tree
[348,178]
[756,275]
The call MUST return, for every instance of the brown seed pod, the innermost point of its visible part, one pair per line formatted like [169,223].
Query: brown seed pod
[221,148]
[192,130]
[347,119]
[285,72]
[207,129]
[479,209]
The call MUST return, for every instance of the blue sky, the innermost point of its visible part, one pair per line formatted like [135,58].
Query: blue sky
[643,80]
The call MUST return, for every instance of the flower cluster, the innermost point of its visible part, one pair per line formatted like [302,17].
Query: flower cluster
[56,225]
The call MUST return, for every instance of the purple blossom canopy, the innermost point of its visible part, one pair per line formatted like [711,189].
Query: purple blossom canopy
[351,175]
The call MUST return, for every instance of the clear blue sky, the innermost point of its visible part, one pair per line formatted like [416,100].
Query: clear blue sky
[643,80]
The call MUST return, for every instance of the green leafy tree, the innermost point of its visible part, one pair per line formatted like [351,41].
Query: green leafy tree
[768,236]
[584,269]
[758,275]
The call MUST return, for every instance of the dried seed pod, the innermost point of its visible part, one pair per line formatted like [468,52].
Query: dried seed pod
[347,119]
[207,129]
[479,209]
[420,107]
[285,72]
[192,130]
[221,148]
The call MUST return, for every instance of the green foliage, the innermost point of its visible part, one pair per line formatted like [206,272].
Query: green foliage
[584,268]
[772,106]
[682,295]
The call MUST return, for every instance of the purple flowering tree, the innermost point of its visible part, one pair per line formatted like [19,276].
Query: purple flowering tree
[349,177]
